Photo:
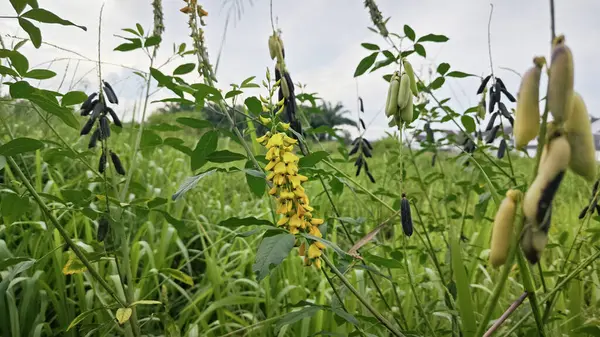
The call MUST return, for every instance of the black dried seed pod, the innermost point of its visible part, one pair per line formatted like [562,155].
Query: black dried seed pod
[359,167]
[595,188]
[103,227]
[355,140]
[492,121]
[501,149]
[277,78]
[492,100]
[87,108]
[117,163]
[87,127]
[504,110]
[360,105]
[358,161]
[511,120]
[97,111]
[88,101]
[497,91]
[102,162]
[594,203]
[114,117]
[583,212]
[365,150]
[104,127]
[484,82]
[288,80]
[110,93]
[406,218]
[94,138]
[367,143]
[433,158]
[545,202]
[371,177]
[362,123]
[500,83]
[354,149]
[508,95]
[491,136]
[598,209]
[429,133]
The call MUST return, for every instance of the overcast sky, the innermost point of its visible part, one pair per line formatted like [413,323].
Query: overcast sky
[322,40]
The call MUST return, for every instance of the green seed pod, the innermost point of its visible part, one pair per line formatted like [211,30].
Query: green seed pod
[273,46]
[285,89]
[411,76]
[407,112]
[579,134]
[527,123]
[404,94]
[560,82]
[503,228]
[391,105]
[540,194]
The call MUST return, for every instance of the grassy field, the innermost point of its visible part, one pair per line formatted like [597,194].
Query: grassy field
[202,272]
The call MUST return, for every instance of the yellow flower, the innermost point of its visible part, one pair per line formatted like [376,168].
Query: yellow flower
[275,140]
[279,179]
[292,169]
[302,249]
[314,251]
[273,190]
[319,244]
[286,195]
[279,168]
[287,140]
[271,164]
[265,121]
[314,231]
[295,221]
[297,180]
[262,140]
[289,157]
[318,263]
[282,221]
[270,176]
[316,221]
[272,153]
[284,126]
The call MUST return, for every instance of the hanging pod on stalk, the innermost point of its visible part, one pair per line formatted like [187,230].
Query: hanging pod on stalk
[578,130]
[411,76]
[560,82]
[527,122]
[404,93]
[503,228]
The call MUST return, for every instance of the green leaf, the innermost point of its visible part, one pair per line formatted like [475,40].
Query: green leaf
[255,179]
[4,71]
[35,35]
[129,46]
[254,105]
[179,225]
[51,106]
[184,69]
[190,182]
[433,38]
[273,249]
[144,302]
[123,315]
[443,68]
[591,329]
[233,93]
[73,97]
[18,5]
[40,74]
[82,317]
[150,139]
[194,122]
[205,146]
[295,316]
[20,89]
[9,262]
[140,29]
[20,145]
[42,15]
[312,159]
[468,123]
[224,156]
[19,61]
[420,50]
[178,275]
[177,144]
[382,262]
[2,162]
[164,127]
[156,202]
[80,197]
[437,83]
[152,41]
[345,315]
[365,64]
[458,74]
[234,222]
[13,205]
[409,32]
[33,3]
[370,46]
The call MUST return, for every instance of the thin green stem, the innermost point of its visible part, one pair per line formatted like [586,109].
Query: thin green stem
[62,231]
[366,303]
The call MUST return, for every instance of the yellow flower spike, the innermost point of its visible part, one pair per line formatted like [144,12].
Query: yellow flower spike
[288,140]
[297,180]
[295,221]
[265,121]
[272,164]
[280,168]
[289,157]
[318,263]
[289,148]
[281,208]
[275,140]
[284,126]
[314,251]
[302,249]
[283,221]
[273,190]
[316,222]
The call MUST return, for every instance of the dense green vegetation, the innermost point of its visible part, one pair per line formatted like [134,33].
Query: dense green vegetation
[187,223]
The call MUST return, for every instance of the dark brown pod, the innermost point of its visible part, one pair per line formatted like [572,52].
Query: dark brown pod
[492,134]
[88,105]
[117,163]
[102,162]
[504,110]
[94,138]
[114,117]
[103,227]
[583,212]
[360,105]
[595,188]
[358,161]
[110,93]
[104,127]
[509,95]
[492,121]
[501,149]
[492,100]
[87,127]
[598,209]
[371,177]
[354,149]
[429,133]
[433,158]
[362,123]
[484,82]
[97,110]
[365,150]
[367,143]
[406,218]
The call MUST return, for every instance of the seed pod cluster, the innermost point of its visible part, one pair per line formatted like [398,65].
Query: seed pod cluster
[537,202]
[503,228]
[399,103]
[362,147]
[98,112]
[406,218]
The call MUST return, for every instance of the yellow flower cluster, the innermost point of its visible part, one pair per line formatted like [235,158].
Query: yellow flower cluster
[292,201]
